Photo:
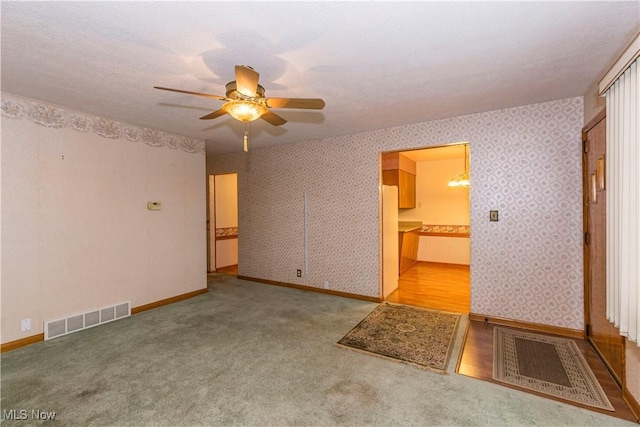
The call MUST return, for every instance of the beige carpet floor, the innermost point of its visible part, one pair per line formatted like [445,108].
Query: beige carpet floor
[250,354]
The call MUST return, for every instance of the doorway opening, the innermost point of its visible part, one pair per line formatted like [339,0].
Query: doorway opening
[223,224]
[429,242]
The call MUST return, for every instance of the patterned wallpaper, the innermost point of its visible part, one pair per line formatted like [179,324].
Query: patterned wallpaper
[524,161]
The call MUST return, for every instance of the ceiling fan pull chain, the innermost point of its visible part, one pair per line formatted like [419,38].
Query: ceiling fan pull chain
[246,138]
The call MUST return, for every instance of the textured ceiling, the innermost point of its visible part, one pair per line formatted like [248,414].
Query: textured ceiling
[376,64]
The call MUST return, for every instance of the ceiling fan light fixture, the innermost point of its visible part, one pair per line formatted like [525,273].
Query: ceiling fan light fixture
[245,111]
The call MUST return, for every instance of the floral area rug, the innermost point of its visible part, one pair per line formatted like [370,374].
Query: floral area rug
[546,364]
[412,335]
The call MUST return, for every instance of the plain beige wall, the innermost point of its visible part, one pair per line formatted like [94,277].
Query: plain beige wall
[226,207]
[441,204]
[76,231]
[226,253]
[448,250]
[226,197]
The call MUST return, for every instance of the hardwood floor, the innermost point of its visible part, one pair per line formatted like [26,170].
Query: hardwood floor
[446,287]
[435,285]
[477,361]
[231,270]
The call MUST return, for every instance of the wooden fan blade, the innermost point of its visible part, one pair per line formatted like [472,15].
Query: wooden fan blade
[273,118]
[207,95]
[246,80]
[213,115]
[304,103]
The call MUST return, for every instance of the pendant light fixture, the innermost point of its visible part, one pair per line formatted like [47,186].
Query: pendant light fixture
[461,180]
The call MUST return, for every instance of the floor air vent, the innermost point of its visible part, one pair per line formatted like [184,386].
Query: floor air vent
[78,322]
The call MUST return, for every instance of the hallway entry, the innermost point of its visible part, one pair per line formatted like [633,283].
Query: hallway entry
[222,223]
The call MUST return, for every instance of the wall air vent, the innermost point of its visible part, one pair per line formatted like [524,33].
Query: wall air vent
[78,322]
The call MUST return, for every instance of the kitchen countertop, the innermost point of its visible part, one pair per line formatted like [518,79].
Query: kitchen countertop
[407,226]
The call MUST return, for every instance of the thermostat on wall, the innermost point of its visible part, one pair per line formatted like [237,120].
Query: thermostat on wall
[154,206]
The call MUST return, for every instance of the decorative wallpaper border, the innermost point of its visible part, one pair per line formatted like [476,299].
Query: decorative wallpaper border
[228,232]
[445,230]
[55,116]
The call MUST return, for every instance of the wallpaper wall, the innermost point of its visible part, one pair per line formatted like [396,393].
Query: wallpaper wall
[76,231]
[315,206]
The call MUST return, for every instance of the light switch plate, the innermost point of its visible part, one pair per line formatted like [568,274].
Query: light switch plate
[493,216]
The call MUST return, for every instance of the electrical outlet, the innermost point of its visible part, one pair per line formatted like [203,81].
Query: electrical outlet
[493,216]
[299,273]
[25,325]
[326,284]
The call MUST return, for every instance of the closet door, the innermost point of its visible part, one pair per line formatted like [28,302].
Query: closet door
[602,334]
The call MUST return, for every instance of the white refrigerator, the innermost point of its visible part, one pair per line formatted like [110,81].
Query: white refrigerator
[390,254]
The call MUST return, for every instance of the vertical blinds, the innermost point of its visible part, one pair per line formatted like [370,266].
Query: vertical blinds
[623,202]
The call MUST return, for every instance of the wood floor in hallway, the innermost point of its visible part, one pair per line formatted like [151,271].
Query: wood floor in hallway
[476,361]
[231,270]
[435,285]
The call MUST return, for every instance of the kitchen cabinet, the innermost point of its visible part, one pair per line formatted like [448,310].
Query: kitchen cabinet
[408,239]
[400,171]
[406,190]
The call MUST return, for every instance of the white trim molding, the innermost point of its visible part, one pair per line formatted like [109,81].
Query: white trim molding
[628,56]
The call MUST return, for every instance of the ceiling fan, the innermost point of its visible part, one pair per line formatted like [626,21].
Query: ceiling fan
[245,100]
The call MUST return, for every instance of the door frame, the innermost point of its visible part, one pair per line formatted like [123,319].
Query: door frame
[586,224]
[212,223]
[381,183]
